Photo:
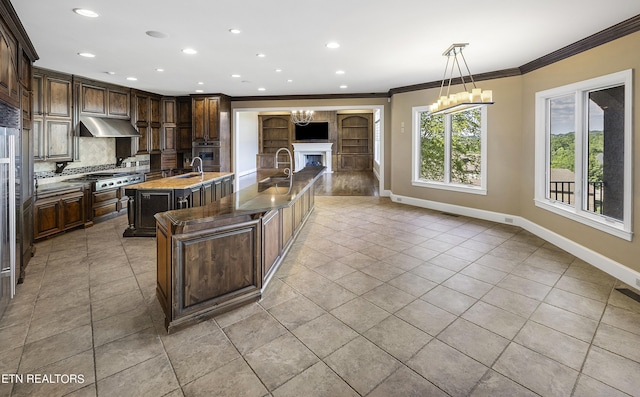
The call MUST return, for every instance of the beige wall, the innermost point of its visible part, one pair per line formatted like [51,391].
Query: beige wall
[613,57]
[511,146]
[503,150]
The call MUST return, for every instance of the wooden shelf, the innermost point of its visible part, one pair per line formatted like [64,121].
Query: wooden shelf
[355,151]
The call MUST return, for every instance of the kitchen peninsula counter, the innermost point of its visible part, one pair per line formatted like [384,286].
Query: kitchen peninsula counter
[193,189]
[216,257]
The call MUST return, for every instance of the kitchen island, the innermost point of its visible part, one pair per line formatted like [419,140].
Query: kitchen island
[193,189]
[214,258]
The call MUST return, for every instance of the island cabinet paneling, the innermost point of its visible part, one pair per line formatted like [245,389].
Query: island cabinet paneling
[286,214]
[272,242]
[214,269]
[220,263]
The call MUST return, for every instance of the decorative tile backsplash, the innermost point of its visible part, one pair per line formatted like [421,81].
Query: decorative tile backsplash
[96,154]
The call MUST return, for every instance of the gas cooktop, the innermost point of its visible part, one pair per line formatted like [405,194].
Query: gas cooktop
[109,179]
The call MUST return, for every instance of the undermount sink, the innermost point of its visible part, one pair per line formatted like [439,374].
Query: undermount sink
[275,179]
[190,175]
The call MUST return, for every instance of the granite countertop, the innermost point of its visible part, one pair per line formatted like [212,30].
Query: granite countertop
[183,181]
[259,197]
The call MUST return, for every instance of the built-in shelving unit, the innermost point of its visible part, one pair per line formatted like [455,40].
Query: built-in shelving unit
[275,131]
[355,152]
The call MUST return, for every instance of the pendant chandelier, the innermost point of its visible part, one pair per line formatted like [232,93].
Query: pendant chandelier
[452,102]
[301,117]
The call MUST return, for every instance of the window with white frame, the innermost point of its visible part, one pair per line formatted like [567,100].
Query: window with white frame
[450,149]
[583,152]
[376,136]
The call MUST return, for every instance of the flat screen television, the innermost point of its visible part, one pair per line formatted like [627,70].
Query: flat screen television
[312,131]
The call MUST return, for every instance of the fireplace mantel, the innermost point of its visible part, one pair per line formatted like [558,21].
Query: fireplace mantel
[300,150]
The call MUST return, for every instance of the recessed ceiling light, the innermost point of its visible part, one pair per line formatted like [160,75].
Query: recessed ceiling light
[132,79]
[189,51]
[235,75]
[343,86]
[235,31]
[289,81]
[159,70]
[85,13]
[155,34]
[333,44]
[339,71]
[262,89]
[260,55]
[200,82]
[110,73]
[199,91]
[86,54]
[278,70]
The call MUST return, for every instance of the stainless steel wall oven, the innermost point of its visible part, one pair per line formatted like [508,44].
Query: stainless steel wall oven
[209,152]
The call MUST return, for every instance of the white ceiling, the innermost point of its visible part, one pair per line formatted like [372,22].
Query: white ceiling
[384,44]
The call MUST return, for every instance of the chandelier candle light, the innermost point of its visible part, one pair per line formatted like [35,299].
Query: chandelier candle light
[463,100]
[301,117]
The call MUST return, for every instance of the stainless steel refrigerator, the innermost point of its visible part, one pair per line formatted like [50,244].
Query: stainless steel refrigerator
[9,140]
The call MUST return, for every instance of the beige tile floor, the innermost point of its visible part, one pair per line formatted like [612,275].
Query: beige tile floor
[374,299]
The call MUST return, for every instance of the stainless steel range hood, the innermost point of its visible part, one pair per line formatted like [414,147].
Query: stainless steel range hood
[102,127]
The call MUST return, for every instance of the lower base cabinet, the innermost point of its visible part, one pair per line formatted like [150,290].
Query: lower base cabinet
[108,203]
[58,213]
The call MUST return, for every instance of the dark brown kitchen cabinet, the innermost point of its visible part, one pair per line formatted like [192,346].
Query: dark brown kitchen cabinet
[52,116]
[147,120]
[211,122]
[210,117]
[183,124]
[96,99]
[59,213]
[109,203]
[168,141]
[9,88]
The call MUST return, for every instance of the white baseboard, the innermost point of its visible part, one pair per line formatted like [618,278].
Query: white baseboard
[243,173]
[604,263]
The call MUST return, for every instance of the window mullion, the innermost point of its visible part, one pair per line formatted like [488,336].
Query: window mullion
[579,152]
[447,149]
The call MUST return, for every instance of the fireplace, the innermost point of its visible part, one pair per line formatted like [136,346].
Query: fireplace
[312,153]
[312,160]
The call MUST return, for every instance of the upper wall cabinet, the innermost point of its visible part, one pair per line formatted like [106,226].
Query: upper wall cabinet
[210,117]
[52,116]
[183,125]
[9,91]
[211,121]
[168,136]
[147,120]
[103,101]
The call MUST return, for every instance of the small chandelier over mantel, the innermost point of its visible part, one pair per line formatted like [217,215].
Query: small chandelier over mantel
[301,117]
[463,100]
